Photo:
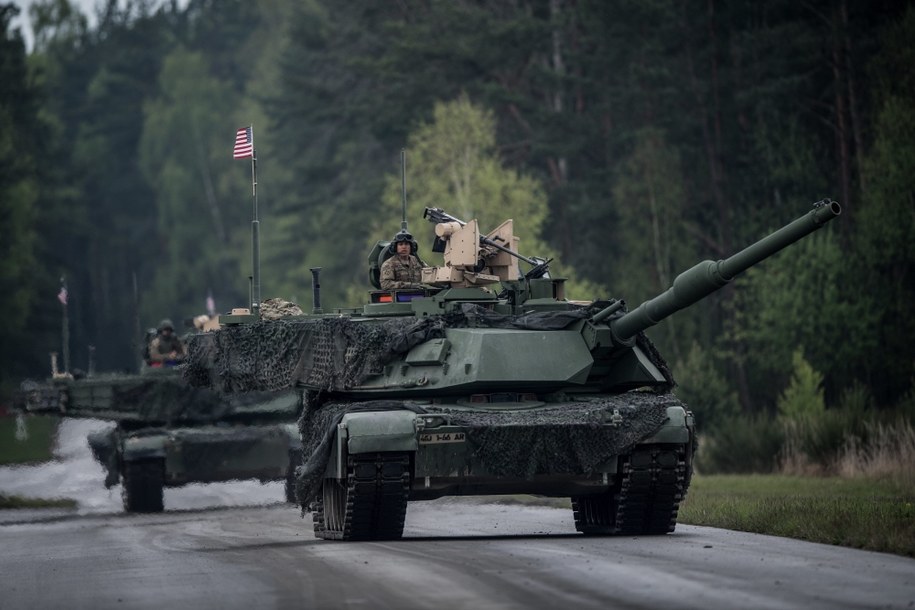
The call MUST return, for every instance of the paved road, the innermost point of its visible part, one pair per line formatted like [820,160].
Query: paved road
[206,551]
[456,554]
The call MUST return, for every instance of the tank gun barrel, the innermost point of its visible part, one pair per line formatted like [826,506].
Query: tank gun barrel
[705,278]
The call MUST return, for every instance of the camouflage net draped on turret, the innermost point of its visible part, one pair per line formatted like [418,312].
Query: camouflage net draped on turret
[161,399]
[330,354]
[565,438]
[338,353]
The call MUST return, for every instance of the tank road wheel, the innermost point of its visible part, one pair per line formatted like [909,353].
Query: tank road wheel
[596,515]
[370,504]
[143,481]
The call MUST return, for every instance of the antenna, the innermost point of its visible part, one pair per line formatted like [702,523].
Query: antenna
[403,190]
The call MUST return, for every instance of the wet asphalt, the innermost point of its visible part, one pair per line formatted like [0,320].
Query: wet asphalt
[207,551]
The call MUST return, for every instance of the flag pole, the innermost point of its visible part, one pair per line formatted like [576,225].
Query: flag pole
[65,324]
[255,236]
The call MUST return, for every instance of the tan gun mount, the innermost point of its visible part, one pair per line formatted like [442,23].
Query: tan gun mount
[471,262]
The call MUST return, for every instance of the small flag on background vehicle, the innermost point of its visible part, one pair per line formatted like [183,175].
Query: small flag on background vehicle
[244,143]
[62,295]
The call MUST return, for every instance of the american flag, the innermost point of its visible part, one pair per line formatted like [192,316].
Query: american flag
[244,143]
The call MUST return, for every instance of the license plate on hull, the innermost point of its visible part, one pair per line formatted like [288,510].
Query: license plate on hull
[435,438]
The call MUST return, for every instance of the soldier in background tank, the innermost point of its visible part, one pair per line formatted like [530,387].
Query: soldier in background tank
[462,391]
[166,348]
[168,434]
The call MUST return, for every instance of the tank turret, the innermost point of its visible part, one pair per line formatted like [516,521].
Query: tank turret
[484,380]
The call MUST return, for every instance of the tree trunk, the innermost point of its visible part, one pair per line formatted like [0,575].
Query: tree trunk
[841,118]
[559,169]
[852,98]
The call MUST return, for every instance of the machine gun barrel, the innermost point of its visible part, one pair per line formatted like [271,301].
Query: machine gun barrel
[705,278]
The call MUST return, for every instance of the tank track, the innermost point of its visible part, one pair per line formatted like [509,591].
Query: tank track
[372,502]
[653,484]
[653,480]
[143,482]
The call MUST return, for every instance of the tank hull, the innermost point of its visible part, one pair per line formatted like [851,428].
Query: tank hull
[204,454]
[640,455]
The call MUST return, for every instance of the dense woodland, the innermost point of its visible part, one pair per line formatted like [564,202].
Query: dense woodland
[628,138]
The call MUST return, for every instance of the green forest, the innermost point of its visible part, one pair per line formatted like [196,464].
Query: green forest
[629,139]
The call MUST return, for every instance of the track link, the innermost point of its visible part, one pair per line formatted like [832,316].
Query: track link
[371,504]
[654,482]
[646,499]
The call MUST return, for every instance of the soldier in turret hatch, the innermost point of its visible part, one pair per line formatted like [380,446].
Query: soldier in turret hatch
[403,269]
[166,348]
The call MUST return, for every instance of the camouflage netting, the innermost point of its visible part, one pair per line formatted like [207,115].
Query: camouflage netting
[276,308]
[317,427]
[566,438]
[330,354]
[148,400]
[339,353]
[169,401]
[657,359]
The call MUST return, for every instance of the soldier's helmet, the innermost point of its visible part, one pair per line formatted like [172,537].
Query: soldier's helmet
[403,236]
[166,323]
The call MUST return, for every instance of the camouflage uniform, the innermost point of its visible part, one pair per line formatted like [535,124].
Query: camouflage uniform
[161,346]
[401,272]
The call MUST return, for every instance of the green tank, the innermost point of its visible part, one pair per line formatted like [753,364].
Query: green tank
[482,380]
[169,435]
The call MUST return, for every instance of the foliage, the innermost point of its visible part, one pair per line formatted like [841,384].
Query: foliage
[649,192]
[741,444]
[631,139]
[803,398]
[886,266]
[183,154]
[836,441]
[19,188]
[705,389]
[36,447]
[452,163]
[887,451]
[803,296]
[856,398]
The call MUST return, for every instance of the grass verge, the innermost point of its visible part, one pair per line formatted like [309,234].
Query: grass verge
[860,513]
[20,502]
[36,448]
